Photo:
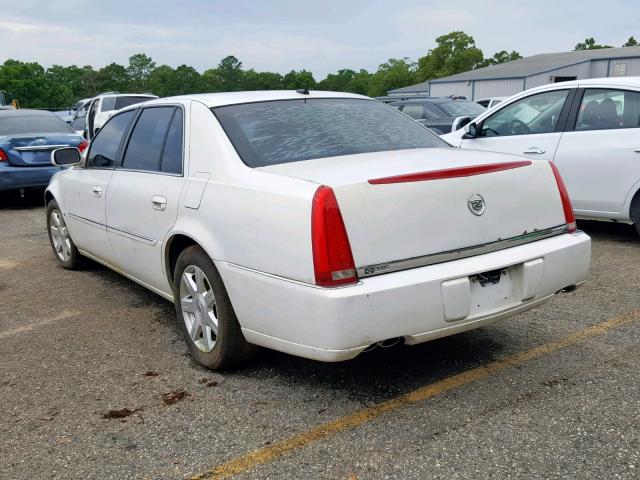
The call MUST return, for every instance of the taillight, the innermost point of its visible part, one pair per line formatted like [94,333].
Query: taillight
[3,156]
[83,146]
[332,258]
[569,216]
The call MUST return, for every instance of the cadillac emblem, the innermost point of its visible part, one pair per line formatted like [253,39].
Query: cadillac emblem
[476,204]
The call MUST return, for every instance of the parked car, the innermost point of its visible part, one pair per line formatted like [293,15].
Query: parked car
[27,138]
[318,224]
[105,105]
[491,101]
[79,120]
[440,114]
[588,128]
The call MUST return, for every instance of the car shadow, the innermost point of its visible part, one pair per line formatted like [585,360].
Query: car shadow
[14,200]
[611,231]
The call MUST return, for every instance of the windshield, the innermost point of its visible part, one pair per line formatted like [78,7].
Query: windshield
[269,133]
[25,124]
[459,108]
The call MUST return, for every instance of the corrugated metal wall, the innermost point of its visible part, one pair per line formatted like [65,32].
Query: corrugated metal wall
[496,88]
[581,70]
[632,66]
[500,88]
[450,88]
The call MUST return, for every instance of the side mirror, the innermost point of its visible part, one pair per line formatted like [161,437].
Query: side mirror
[472,131]
[459,122]
[67,156]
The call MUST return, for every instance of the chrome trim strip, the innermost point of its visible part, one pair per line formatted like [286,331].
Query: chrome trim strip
[132,236]
[431,259]
[34,148]
[87,221]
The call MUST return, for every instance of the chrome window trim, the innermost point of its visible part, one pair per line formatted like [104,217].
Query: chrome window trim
[460,253]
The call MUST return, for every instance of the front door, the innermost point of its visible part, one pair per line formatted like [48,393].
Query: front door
[86,194]
[144,193]
[529,127]
[599,154]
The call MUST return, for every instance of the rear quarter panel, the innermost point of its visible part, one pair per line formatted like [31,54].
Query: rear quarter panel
[246,217]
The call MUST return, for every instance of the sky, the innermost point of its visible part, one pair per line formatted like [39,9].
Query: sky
[322,36]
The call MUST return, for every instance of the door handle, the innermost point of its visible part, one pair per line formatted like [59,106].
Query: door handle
[534,151]
[637,150]
[158,202]
[97,190]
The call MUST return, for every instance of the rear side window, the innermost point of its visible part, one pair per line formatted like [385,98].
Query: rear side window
[147,140]
[104,147]
[414,111]
[603,109]
[172,154]
[269,133]
[20,125]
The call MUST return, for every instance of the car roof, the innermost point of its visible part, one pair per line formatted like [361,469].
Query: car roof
[233,98]
[631,81]
[430,100]
[25,113]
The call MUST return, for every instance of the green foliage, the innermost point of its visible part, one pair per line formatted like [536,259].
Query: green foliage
[589,44]
[61,86]
[394,73]
[456,52]
[500,57]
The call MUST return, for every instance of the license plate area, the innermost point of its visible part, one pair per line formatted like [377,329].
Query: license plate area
[492,290]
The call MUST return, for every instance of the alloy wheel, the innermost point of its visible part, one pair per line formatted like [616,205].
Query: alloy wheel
[199,311]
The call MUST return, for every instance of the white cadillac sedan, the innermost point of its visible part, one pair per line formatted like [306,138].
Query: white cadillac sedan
[588,128]
[318,224]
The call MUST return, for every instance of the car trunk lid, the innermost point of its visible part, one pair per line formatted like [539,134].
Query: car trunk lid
[35,149]
[411,204]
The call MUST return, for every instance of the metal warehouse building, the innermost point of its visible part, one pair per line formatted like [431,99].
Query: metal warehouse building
[513,77]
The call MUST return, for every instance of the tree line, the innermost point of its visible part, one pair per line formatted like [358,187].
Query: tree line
[60,86]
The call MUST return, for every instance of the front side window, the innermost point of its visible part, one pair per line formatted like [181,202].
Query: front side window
[147,139]
[603,109]
[537,113]
[414,111]
[270,133]
[104,147]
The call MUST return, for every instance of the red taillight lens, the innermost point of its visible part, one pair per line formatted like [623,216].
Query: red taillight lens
[332,258]
[3,156]
[569,216]
[83,146]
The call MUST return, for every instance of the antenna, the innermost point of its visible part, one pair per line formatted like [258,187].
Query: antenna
[304,91]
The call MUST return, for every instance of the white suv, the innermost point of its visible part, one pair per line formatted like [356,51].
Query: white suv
[104,106]
[589,128]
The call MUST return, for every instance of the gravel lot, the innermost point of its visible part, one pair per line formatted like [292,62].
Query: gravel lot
[79,347]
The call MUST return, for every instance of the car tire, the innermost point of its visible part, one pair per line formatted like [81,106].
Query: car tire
[635,214]
[205,314]
[60,239]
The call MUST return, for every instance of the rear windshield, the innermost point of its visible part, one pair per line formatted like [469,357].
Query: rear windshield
[19,125]
[269,133]
[456,108]
[116,103]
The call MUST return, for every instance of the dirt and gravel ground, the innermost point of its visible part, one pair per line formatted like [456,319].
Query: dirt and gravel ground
[96,382]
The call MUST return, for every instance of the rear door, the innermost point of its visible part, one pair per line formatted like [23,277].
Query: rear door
[599,154]
[144,192]
[531,126]
[86,189]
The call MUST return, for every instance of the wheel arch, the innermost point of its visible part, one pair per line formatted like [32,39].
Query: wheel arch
[635,200]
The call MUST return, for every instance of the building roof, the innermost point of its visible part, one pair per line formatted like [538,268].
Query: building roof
[528,66]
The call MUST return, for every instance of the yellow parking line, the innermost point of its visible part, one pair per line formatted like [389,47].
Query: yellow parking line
[264,455]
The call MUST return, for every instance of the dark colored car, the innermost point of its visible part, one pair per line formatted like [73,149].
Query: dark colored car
[27,138]
[439,114]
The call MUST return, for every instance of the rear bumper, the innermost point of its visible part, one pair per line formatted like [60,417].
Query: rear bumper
[12,178]
[417,305]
